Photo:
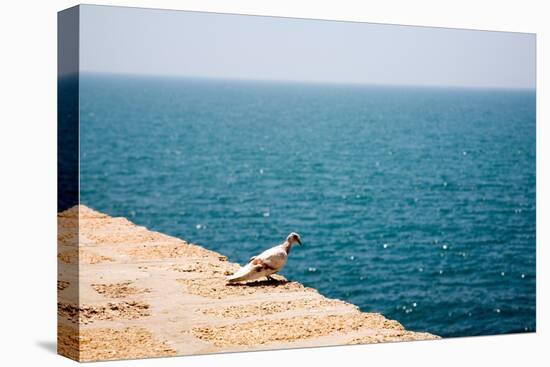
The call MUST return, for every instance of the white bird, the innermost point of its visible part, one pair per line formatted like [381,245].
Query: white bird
[268,262]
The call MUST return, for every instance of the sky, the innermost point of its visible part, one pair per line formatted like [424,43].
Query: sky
[194,44]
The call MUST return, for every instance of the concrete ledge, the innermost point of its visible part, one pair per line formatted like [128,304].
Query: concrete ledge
[145,294]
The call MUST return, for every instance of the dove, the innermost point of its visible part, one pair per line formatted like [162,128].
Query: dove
[268,262]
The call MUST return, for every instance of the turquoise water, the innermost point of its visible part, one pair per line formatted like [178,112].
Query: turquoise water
[415,202]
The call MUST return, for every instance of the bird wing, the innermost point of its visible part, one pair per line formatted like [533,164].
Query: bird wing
[273,258]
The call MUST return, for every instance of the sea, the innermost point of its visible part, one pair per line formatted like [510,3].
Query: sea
[415,202]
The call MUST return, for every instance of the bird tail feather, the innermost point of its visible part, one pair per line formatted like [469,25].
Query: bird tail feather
[242,274]
[234,279]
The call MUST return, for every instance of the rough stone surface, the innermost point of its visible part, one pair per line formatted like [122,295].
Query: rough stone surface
[141,294]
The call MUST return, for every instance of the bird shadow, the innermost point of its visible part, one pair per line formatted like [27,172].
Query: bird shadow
[261,283]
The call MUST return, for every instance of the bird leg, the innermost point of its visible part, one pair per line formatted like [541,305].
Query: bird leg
[270,278]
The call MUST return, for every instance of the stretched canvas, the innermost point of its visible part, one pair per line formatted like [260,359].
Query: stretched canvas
[236,183]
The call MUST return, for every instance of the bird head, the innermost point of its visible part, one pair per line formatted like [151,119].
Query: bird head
[294,238]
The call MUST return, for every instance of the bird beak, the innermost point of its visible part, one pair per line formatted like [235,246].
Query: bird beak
[300,242]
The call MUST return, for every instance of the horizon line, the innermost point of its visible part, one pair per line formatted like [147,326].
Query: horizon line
[300,81]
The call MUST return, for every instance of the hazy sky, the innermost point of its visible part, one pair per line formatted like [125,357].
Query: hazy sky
[133,40]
